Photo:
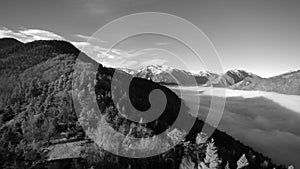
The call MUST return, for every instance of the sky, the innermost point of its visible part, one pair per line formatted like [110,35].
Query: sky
[260,36]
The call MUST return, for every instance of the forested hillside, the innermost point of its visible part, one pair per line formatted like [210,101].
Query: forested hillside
[37,118]
[6,43]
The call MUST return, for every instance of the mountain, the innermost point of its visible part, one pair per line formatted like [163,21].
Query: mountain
[8,43]
[39,127]
[288,83]
[204,77]
[16,59]
[164,74]
[36,106]
[127,70]
[232,77]
[227,79]
[167,75]
[229,149]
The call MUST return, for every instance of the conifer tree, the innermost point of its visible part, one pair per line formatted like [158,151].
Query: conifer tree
[227,166]
[187,163]
[211,160]
[242,162]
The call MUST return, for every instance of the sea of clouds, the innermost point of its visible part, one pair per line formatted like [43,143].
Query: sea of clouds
[269,122]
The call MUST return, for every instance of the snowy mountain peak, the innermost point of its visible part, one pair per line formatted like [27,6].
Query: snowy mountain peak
[156,69]
[236,71]
[168,75]
[127,70]
[205,73]
[240,73]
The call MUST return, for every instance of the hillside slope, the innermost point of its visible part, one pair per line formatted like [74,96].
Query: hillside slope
[37,112]
[8,43]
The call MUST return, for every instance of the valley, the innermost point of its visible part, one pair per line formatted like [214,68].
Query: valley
[267,121]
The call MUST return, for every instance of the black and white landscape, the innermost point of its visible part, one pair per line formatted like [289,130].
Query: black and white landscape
[70,87]
[258,111]
[39,126]
[287,83]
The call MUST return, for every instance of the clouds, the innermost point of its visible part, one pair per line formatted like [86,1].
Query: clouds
[162,43]
[103,55]
[154,62]
[38,34]
[96,52]
[134,53]
[266,121]
[135,59]
[28,35]
[92,49]
[131,57]
[82,36]
[87,38]
[286,145]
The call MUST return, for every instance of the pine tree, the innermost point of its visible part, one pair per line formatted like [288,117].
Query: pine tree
[227,166]
[242,162]
[212,159]
[201,138]
[187,163]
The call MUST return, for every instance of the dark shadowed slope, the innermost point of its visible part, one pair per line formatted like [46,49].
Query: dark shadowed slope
[6,43]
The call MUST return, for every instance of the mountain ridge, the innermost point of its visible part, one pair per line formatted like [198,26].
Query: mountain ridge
[167,74]
[38,110]
[286,83]
[8,43]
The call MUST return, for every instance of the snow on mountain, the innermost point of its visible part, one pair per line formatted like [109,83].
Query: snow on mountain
[156,69]
[288,83]
[169,75]
[127,70]
[232,77]
[204,73]
[165,74]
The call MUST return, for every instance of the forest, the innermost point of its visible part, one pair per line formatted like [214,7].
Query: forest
[38,117]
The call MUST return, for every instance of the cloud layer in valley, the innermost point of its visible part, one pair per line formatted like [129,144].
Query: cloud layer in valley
[268,122]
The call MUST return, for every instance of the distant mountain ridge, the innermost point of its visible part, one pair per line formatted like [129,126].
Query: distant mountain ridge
[232,77]
[288,83]
[163,74]
[166,74]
